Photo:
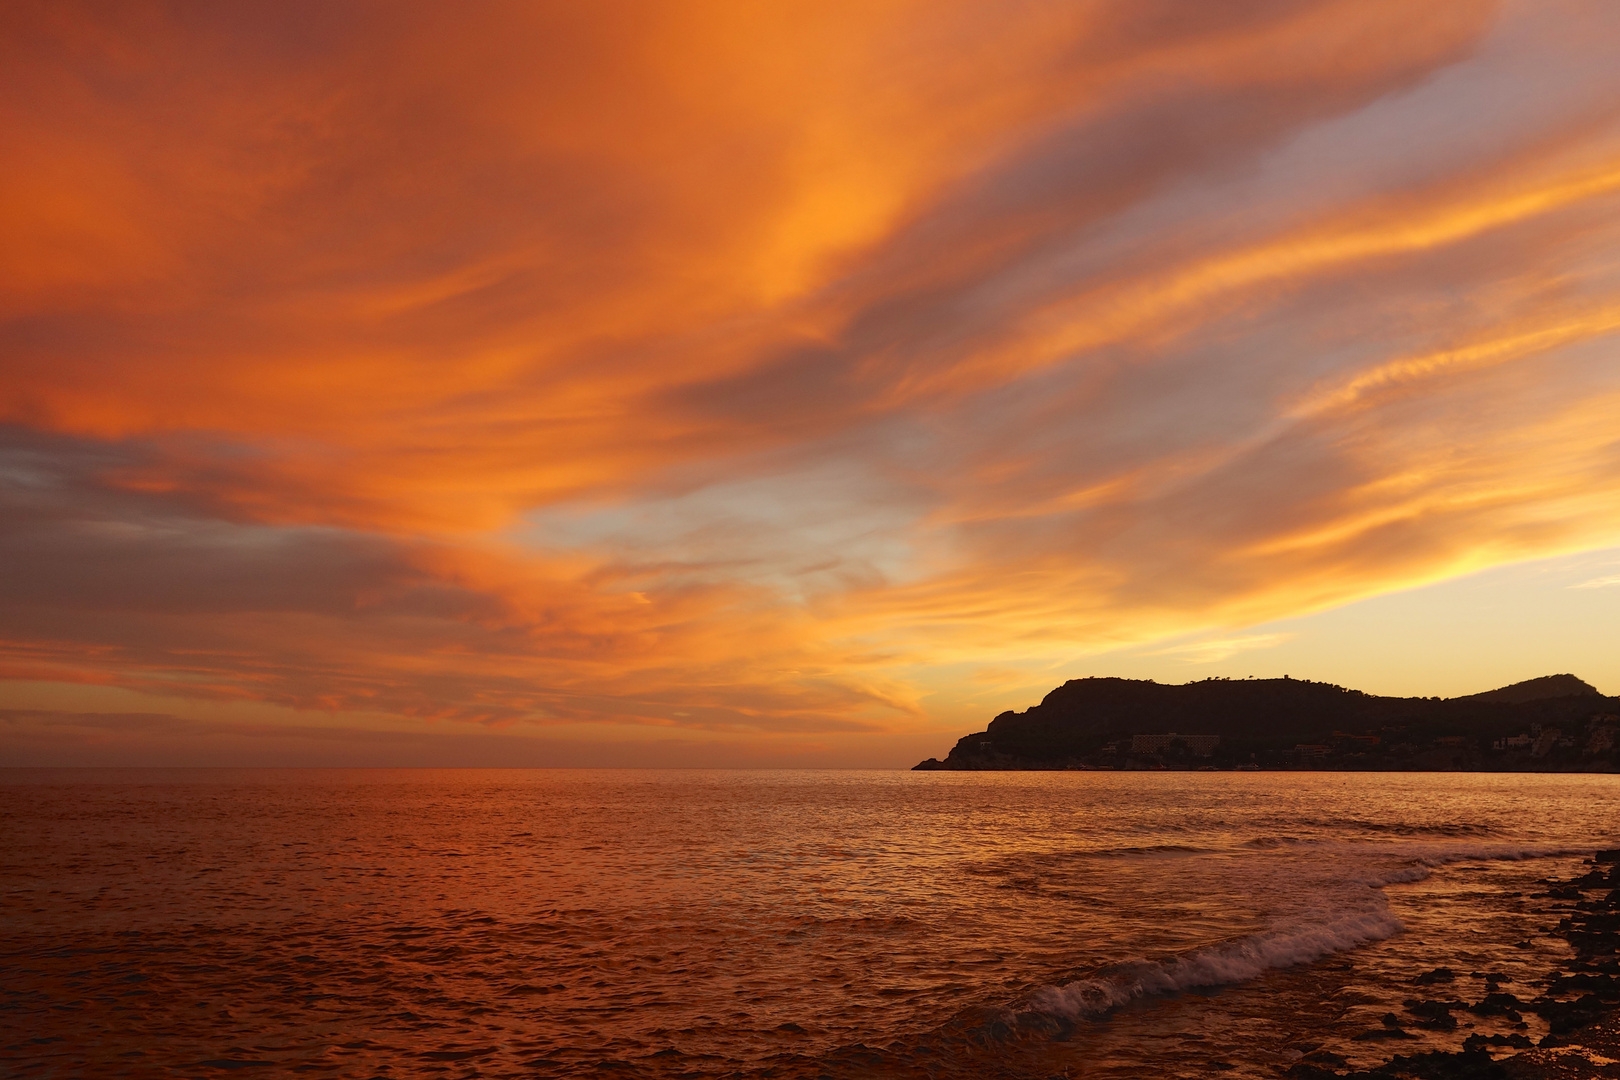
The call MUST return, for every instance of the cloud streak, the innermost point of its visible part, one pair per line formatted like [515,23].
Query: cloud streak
[1608,582]
[1212,652]
[760,372]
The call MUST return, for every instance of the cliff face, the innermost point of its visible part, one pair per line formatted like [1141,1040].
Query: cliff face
[1283,723]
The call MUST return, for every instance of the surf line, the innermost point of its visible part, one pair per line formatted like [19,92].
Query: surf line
[1291,942]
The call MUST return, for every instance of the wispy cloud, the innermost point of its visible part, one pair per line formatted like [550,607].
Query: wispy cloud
[1210,652]
[808,368]
[1599,583]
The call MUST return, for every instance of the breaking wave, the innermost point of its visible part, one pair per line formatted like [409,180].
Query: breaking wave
[1359,919]
[1216,965]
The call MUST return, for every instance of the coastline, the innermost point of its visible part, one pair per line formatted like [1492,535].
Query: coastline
[1546,1017]
[1578,999]
[1555,724]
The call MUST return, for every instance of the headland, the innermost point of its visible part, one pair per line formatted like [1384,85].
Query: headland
[1556,723]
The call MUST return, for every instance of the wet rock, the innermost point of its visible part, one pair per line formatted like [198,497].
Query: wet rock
[1435,1015]
[1564,1017]
[1439,1065]
[1515,1040]
[1499,1004]
[1438,975]
[1325,1058]
[1317,1066]
[1586,1025]
[1605,987]
[1592,879]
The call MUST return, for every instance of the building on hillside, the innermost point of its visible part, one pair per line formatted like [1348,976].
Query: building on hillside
[1603,736]
[1545,741]
[1201,745]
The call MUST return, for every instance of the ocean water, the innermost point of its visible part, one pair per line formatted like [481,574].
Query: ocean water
[659,924]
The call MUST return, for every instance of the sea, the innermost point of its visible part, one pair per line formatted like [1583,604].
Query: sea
[661,924]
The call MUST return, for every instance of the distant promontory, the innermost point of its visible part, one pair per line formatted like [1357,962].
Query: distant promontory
[1557,723]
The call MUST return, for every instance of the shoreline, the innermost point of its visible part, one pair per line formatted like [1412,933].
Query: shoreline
[1525,1024]
[1579,1000]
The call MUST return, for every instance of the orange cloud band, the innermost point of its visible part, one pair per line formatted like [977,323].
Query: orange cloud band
[755,369]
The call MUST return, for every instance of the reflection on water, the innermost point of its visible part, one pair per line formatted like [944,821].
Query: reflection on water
[355,923]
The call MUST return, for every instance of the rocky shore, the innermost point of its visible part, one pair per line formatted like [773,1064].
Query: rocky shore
[1579,1002]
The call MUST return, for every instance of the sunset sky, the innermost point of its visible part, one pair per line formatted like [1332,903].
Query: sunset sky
[789,383]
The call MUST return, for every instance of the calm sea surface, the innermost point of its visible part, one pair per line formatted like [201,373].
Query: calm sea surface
[660,924]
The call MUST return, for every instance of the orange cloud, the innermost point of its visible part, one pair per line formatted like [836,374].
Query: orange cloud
[771,370]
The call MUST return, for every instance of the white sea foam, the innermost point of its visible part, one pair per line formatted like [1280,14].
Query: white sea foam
[1228,962]
[1357,915]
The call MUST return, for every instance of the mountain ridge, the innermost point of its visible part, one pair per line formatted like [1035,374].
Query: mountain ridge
[1104,722]
[1547,686]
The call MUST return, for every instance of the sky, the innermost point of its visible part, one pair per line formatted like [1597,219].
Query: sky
[694,384]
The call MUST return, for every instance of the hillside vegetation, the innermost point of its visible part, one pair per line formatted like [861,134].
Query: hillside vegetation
[1554,723]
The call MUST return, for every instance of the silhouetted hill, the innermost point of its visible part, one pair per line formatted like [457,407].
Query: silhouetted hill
[1548,686]
[1097,722]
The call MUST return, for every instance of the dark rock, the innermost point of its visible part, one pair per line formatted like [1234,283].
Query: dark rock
[1499,1005]
[1587,1024]
[1435,1015]
[1326,1057]
[1517,1041]
[1438,975]
[1592,879]
[1467,1065]
[1565,1016]
[1605,987]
